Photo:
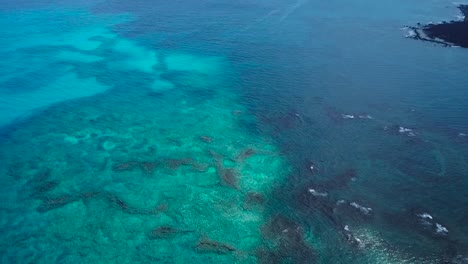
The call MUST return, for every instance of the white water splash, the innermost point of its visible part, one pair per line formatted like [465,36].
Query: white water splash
[410,34]
[365,210]
[409,132]
[348,116]
[440,229]
[340,202]
[365,117]
[404,130]
[316,193]
[425,216]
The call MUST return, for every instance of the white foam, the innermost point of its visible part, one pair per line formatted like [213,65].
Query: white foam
[425,216]
[408,131]
[440,229]
[346,228]
[316,193]
[340,202]
[404,130]
[359,241]
[365,117]
[348,116]
[365,210]
[462,134]
[411,33]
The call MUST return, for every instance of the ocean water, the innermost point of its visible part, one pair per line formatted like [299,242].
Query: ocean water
[231,132]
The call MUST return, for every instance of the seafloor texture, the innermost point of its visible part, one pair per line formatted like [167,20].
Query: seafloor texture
[453,33]
[156,169]
[230,132]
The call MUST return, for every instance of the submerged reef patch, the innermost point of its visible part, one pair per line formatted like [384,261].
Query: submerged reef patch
[206,245]
[129,176]
[289,244]
[167,232]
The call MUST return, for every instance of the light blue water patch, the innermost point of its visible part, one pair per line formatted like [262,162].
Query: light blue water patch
[195,70]
[39,54]
[66,87]
[137,57]
[162,85]
[192,63]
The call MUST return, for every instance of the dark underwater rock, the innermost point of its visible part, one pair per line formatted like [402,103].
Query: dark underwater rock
[148,167]
[166,232]
[116,201]
[339,181]
[125,166]
[206,245]
[113,200]
[41,183]
[42,175]
[200,167]
[289,243]
[333,114]
[245,154]
[163,232]
[206,139]
[253,200]
[281,121]
[453,33]
[44,187]
[265,256]
[174,164]
[312,205]
[228,176]
[54,203]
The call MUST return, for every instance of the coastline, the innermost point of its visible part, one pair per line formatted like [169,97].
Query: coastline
[450,34]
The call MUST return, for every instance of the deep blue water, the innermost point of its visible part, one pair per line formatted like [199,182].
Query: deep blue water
[231,132]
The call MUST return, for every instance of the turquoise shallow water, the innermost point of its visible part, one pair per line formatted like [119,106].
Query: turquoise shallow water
[240,132]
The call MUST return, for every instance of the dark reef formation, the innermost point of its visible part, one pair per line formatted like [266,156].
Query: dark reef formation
[51,203]
[288,243]
[206,245]
[453,33]
[167,232]
[228,176]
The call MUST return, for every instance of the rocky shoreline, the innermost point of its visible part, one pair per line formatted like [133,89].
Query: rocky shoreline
[449,34]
